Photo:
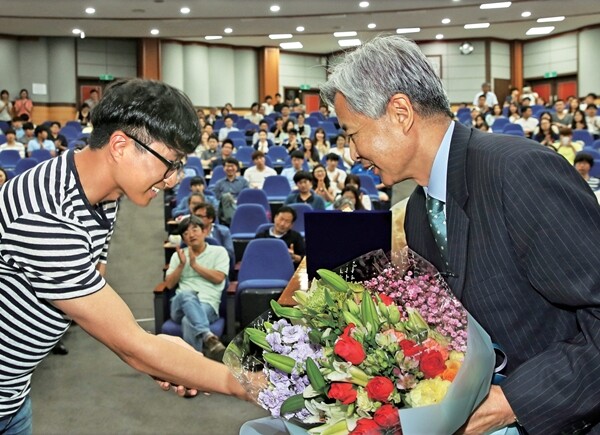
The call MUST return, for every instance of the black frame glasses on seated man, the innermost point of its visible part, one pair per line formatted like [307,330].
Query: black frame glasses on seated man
[173,167]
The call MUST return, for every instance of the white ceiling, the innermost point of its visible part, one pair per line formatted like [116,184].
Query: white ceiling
[252,21]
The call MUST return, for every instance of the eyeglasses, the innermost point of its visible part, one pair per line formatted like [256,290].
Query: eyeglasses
[172,167]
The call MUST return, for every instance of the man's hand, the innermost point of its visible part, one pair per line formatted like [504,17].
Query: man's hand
[181,255]
[181,390]
[492,414]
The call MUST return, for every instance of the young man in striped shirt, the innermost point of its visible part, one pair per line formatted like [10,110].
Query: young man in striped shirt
[56,222]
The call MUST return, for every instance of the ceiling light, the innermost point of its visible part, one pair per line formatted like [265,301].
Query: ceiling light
[291,45]
[82,35]
[497,5]
[228,30]
[349,42]
[446,21]
[372,25]
[275,8]
[280,36]
[90,11]
[344,34]
[477,26]
[439,36]
[155,31]
[185,10]
[526,14]
[213,37]
[76,31]
[540,30]
[408,30]
[300,29]
[550,19]
[364,4]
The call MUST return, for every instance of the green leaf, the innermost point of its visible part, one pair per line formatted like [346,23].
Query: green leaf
[292,404]
[317,381]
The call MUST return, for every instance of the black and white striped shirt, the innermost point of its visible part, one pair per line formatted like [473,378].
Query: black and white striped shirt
[51,240]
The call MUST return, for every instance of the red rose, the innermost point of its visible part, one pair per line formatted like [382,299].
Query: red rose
[411,349]
[348,348]
[343,392]
[366,426]
[379,388]
[387,417]
[386,299]
[432,364]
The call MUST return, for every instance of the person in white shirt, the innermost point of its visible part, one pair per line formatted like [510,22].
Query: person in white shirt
[41,141]
[256,174]
[263,125]
[336,175]
[343,151]
[6,107]
[490,97]
[592,120]
[262,144]
[223,132]
[12,144]
[254,116]
[268,105]
[528,122]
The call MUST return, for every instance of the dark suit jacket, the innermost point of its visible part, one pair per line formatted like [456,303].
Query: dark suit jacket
[523,239]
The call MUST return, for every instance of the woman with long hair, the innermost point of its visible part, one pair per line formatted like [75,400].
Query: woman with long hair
[321,143]
[353,194]
[310,152]
[321,184]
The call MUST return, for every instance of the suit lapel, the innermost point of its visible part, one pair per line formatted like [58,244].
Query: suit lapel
[418,233]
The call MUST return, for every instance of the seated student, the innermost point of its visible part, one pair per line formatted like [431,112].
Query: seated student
[343,204]
[223,132]
[84,115]
[282,229]
[279,134]
[583,163]
[335,174]
[545,133]
[254,116]
[263,125]
[199,272]
[197,184]
[207,213]
[231,184]
[61,142]
[354,180]
[304,194]
[262,144]
[297,159]
[342,150]
[302,128]
[353,195]
[211,153]
[593,120]
[28,133]
[567,147]
[579,122]
[193,199]
[41,141]
[322,185]
[292,144]
[527,121]
[561,117]
[321,143]
[12,144]
[226,152]
[17,126]
[256,174]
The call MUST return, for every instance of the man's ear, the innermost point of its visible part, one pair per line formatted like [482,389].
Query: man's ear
[400,110]
[117,144]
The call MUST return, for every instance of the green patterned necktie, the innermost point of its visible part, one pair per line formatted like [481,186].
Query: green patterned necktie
[437,222]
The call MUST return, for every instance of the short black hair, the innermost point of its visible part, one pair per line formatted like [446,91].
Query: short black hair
[302,175]
[232,161]
[229,141]
[10,131]
[591,106]
[148,109]
[287,209]
[211,213]
[257,154]
[55,123]
[197,180]
[584,157]
[293,131]
[195,194]
[28,126]
[228,116]
[213,136]
[297,154]
[40,129]
[332,156]
[187,222]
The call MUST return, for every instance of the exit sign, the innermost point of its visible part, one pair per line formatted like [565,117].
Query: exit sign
[550,74]
[304,87]
[106,77]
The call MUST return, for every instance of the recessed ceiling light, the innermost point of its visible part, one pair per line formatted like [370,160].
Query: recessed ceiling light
[439,36]
[228,30]
[155,31]
[526,14]
[185,10]
[364,4]
[300,29]
[349,42]
[550,19]
[275,8]
[291,45]
[90,11]
[477,26]
[280,36]
[213,37]
[408,30]
[372,25]
[497,5]
[540,30]
[446,21]
[344,34]
[76,31]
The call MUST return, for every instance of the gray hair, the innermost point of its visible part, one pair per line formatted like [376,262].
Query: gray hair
[370,75]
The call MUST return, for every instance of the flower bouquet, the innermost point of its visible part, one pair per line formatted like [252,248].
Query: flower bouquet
[387,350]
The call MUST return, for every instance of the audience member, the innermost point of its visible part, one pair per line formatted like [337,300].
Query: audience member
[304,194]
[254,117]
[480,123]
[528,97]
[545,133]
[226,152]
[285,115]
[23,106]
[83,115]
[592,120]
[93,100]
[490,97]
[256,174]
[303,129]
[17,126]
[297,159]
[199,272]
[263,125]
[514,112]
[494,114]
[321,184]
[343,204]
[310,153]
[224,131]
[282,229]
[561,117]
[197,185]
[589,99]
[321,143]
[231,184]
[527,121]
[6,107]
[212,116]
[208,214]
[278,103]
[193,199]
[267,105]
[324,110]
[342,150]
[292,144]
[567,147]
[513,97]
[12,144]
[262,144]
[41,141]
[354,180]
[482,105]
[211,153]
[352,193]
[279,134]
[579,122]
[60,141]
[573,105]
[336,175]
[584,162]
[3,176]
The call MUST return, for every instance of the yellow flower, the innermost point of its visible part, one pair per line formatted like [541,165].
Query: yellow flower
[428,392]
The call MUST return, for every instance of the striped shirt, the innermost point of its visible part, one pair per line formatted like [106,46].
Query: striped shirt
[51,239]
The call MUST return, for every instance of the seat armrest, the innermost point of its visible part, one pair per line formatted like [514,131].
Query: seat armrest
[162,295]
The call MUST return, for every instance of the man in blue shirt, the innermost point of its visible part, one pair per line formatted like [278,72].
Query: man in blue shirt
[232,183]
[304,194]
[41,141]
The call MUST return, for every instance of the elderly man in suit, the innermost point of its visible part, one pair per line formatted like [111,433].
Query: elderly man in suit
[489,213]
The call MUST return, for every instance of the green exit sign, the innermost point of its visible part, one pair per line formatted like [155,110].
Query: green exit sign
[304,87]
[550,74]
[106,77]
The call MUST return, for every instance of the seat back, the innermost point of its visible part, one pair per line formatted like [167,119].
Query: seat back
[512,127]
[499,123]
[583,136]
[237,134]
[367,182]
[244,156]
[276,186]
[217,174]
[9,159]
[41,155]
[263,227]
[300,208]
[278,154]
[184,188]
[592,152]
[265,259]
[24,165]
[196,163]
[254,196]
[246,219]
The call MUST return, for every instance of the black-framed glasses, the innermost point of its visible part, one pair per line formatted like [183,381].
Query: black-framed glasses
[172,166]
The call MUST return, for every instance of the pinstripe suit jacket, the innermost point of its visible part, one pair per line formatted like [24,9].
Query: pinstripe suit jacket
[523,239]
